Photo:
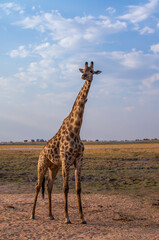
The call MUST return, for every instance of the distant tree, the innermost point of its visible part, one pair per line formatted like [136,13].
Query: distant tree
[25,141]
[32,140]
[42,140]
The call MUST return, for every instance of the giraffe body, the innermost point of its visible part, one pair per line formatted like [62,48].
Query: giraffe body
[66,149]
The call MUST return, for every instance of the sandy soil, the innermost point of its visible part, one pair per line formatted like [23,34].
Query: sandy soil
[111,217]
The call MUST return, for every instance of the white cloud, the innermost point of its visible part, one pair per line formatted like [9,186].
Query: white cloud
[11,6]
[42,46]
[127,74]
[149,82]
[111,10]
[20,52]
[72,32]
[149,88]
[49,51]
[31,23]
[90,33]
[155,48]
[134,60]
[84,20]
[146,30]
[38,73]
[138,13]
[130,60]
[111,26]
[70,41]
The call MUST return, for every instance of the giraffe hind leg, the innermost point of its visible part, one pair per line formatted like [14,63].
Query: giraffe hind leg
[78,193]
[52,175]
[65,174]
[42,168]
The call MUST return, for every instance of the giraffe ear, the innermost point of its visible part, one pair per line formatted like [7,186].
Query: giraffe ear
[81,70]
[97,72]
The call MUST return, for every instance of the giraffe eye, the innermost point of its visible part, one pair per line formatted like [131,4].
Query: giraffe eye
[91,71]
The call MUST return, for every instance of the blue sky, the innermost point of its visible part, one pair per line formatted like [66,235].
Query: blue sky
[44,43]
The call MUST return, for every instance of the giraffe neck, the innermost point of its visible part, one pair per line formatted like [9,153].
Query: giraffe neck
[76,115]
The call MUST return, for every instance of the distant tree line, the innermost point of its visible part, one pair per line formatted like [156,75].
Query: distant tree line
[37,140]
[97,140]
[88,141]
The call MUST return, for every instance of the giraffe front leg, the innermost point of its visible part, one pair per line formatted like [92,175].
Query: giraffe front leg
[78,192]
[65,174]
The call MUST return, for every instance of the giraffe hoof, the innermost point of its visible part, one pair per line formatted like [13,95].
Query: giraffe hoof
[68,222]
[51,218]
[32,217]
[83,222]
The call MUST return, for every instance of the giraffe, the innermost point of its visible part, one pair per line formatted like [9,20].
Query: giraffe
[65,149]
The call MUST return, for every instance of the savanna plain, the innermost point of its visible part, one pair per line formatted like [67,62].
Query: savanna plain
[120,193]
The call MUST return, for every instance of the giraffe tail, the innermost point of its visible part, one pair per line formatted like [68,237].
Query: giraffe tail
[43,188]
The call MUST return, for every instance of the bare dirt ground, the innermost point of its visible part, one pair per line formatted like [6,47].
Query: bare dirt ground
[111,217]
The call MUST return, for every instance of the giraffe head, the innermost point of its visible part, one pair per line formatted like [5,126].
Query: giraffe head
[88,72]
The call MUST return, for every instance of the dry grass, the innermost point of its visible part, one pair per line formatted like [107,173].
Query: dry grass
[118,168]
[14,146]
[128,145]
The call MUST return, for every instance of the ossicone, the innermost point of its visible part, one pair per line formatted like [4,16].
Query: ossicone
[86,65]
[92,64]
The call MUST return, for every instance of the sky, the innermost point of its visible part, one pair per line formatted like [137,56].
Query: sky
[43,45]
